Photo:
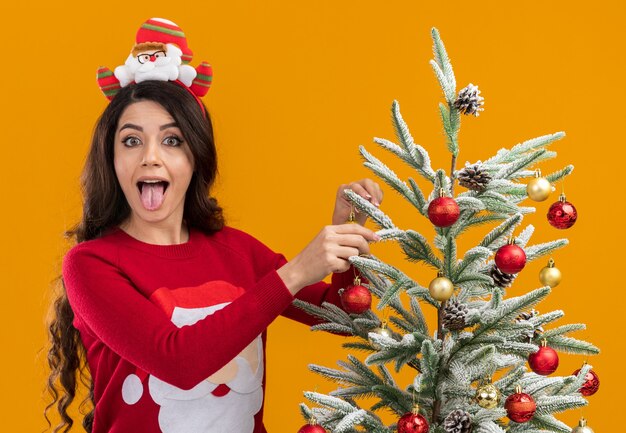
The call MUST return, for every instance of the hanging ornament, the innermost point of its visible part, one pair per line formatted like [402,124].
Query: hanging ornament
[539,188]
[592,382]
[550,275]
[441,288]
[520,407]
[443,211]
[474,177]
[562,214]
[382,330]
[510,258]
[356,298]
[545,361]
[469,100]
[458,421]
[413,422]
[487,395]
[352,216]
[582,427]
[312,427]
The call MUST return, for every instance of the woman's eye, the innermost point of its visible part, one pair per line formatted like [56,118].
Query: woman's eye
[131,141]
[172,141]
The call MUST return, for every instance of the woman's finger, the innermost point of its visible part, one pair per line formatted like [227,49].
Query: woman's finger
[353,241]
[360,190]
[358,230]
[345,252]
[340,265]
[374,190]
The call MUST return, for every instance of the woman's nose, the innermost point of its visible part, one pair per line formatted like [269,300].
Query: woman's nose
[151,154]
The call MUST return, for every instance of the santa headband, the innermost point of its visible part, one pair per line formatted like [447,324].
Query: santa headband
[160,53]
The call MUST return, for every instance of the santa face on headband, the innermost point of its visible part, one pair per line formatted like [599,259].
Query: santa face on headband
[155,61]
[160,53]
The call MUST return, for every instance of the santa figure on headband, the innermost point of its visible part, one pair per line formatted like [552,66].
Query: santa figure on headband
[160,53]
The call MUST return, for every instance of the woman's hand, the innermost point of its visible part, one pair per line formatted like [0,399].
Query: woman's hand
[328,252]
[366,188]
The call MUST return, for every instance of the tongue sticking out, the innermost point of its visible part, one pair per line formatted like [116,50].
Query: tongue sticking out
[152,195]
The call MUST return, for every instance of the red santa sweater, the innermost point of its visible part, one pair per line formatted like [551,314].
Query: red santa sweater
[175,334]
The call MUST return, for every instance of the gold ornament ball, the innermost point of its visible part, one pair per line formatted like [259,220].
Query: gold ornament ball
[582,427]
[539,189]
[383,330]
[550,275]
[487,396]
[441,288]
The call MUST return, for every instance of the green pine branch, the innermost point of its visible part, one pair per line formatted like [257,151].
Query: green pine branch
[391,179]
[378,216]
[546,422]
[441,57]
[451,122]
[505,156]
[497,237]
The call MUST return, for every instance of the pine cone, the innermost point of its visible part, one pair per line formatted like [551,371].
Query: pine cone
[527,316]
[474,177]
[458,421]
[454,314]
[501,279]
[469,100]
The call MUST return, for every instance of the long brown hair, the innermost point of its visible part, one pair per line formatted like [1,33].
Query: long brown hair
[105,206]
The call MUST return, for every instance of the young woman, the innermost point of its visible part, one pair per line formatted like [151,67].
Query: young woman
[163,304]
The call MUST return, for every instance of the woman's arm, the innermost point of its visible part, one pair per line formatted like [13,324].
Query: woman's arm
[344,274]
[115,312]
[138,331]
[319,293]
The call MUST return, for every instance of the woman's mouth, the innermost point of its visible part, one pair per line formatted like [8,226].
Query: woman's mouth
[152,193]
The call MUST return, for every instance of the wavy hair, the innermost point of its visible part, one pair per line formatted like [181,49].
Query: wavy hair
[105,207]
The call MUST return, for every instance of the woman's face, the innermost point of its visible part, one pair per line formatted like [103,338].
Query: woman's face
[153,164]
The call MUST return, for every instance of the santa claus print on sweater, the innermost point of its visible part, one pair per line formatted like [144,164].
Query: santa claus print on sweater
[224,402]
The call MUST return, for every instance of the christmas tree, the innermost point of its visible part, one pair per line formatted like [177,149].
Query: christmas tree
[471,373]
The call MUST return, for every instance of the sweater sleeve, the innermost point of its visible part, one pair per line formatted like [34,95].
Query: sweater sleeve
[317,293]
[265,259]
[108,304]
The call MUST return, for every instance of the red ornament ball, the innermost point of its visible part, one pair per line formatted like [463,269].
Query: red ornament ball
[545,361]
[412,423]
[510,259]
[312,428]
[356,299]
[591,385]
[562,214]
[520,407]
[443,211]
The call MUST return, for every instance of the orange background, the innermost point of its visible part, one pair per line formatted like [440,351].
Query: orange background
[297,87]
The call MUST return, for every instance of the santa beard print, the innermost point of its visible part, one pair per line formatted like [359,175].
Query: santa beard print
[198,410]
[228,400]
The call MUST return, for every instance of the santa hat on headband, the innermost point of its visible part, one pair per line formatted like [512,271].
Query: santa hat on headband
[165,31]
[160,53]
